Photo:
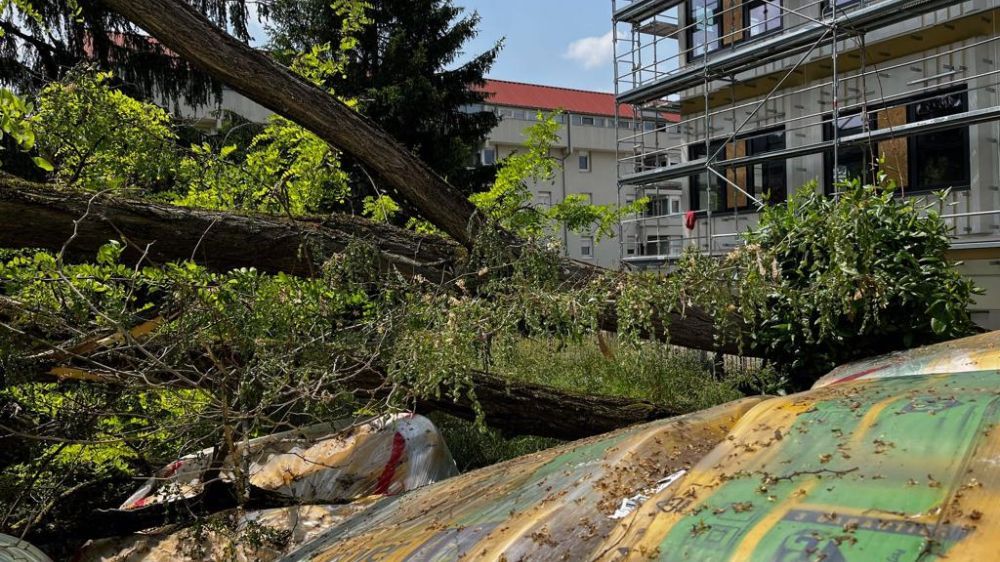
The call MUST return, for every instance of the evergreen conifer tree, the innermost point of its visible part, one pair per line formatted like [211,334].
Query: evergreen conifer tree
[404,76]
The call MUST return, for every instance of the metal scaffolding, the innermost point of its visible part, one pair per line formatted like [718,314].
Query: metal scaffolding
[740,73]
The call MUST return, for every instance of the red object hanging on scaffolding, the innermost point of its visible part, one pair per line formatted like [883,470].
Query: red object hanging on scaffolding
[690,220]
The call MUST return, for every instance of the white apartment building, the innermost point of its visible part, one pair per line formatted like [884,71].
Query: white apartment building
[586,150]
[774,94]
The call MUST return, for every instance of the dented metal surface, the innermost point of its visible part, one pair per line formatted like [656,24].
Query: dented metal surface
[891,469]
[977,353]
[895,458]
[556,504]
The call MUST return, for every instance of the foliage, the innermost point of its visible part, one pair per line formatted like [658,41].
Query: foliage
[604,365]
[508,201]
[97,137]
[402,72]
[285,169]
[474,446]
[41,39]
[827,279]
[380,209]
[15,122]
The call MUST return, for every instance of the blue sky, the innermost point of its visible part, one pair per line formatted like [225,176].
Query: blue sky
[554,42]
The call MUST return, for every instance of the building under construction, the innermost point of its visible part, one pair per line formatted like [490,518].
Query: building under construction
[774,94]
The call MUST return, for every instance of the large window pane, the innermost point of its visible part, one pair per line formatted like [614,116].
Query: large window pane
[764,17]
[940,159]
[704,33]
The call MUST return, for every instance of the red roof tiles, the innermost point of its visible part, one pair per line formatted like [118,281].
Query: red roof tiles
[549,98]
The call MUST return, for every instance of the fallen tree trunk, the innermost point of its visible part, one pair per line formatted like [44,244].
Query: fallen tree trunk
[46,217]
[522,408]
[180,27]
[43,216]
[255,75]
[513,407]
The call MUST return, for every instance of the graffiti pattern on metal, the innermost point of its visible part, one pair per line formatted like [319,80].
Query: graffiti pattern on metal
[892,469]
[978,353]
[554,504]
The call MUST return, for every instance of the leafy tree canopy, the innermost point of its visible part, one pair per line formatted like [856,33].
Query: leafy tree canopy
[403,74]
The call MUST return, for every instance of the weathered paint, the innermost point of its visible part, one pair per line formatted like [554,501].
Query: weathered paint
[551,505]
[891,459]
[978,353]
[892,469]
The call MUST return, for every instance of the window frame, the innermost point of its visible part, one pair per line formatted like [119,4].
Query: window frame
[591,248]
[580,155]
[694,153]
[718,21]
[748,6]
[540,200]
[912,148]
[488,150]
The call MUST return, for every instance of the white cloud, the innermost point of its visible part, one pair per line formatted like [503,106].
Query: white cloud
[592,52]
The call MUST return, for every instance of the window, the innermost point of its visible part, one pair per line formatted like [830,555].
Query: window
[852,161]
[588,121]
[719,23]
[543,199]
[588,198]
[829,5]
[762,17]
[488,157]
[583,160]
[661,205]
[587,246]
[920,162]
[704,23]
[759,179]
[768,178]
[939,159]
[664,245]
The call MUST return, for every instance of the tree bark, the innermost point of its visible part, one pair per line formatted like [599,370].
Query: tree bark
[523,408]
[180,27]
[46,217]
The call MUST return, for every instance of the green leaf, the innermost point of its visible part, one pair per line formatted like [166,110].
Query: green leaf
[43,163]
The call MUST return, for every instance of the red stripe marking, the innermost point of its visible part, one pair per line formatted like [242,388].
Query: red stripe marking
[389,472]
[859,374]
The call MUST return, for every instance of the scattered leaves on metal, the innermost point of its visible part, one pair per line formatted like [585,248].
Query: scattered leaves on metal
[556,504]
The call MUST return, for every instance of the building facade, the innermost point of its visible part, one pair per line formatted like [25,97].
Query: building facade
[777,94]
[586,151]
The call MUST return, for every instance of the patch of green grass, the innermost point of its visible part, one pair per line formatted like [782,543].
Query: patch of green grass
[680,379]
[474,447]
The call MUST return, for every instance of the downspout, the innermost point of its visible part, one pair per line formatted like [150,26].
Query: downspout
[569,151]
